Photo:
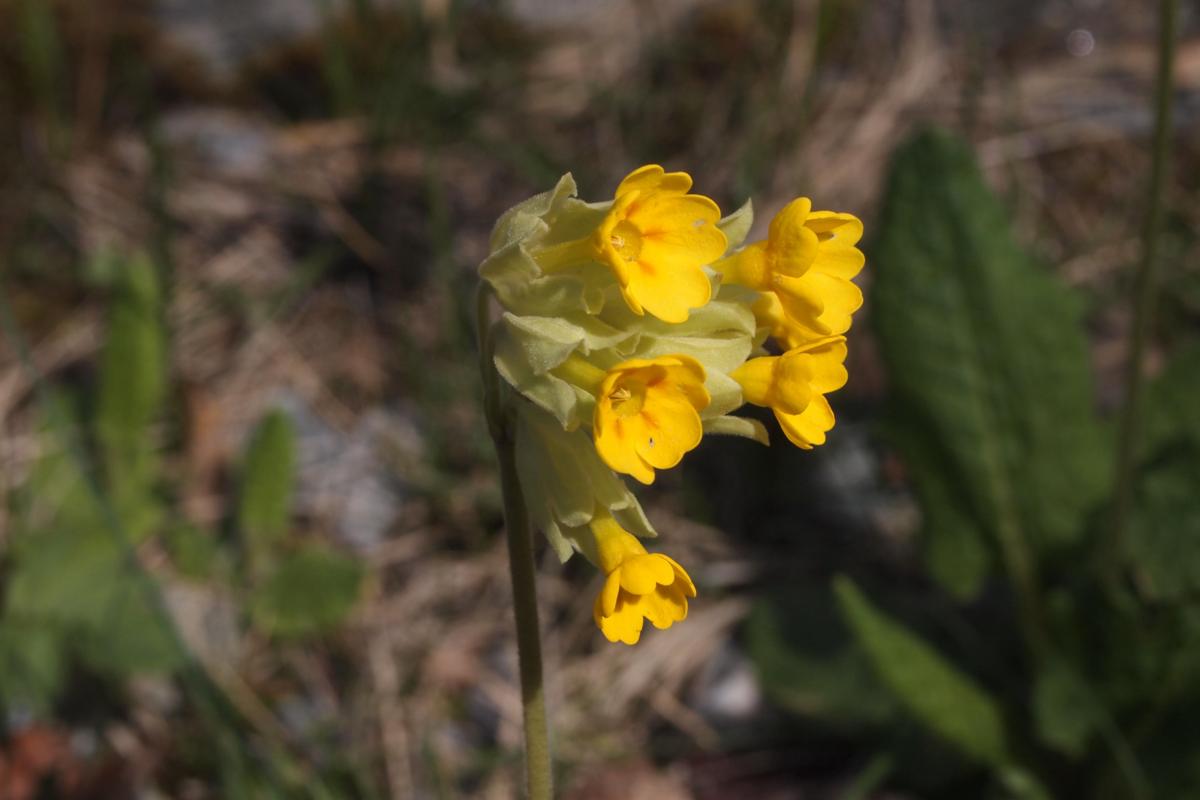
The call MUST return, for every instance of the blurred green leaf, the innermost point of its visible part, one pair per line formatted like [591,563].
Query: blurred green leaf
[72,575]
[945,700]
[131,393]
[1065,710]
[79,582]
[957,553]
[31,664]
[134,636]
[1164,541]
[988,369]
[310,592]
[195,552]
[267,477]
[1020,785]
[808,662]
[1172,412]
[132,379]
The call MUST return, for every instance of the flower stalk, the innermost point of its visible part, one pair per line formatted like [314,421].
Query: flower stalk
[521,566]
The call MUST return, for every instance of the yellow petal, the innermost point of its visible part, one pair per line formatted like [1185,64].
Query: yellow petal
[664,607]
[808,428]
[672,428]
[756,377]
[678,217]
[688,374]
[791,386]
[792,245]
[841,299]
[839,261]
[832,226]
[608,595]
[685,580]
[668,290]
[624,624]
[827,365]
[602,239]
[652,177]
[640,574]
[802,301]
[747,267]
[789,219]
[616,442]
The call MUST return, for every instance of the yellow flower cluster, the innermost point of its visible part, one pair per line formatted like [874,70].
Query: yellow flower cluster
[633,327]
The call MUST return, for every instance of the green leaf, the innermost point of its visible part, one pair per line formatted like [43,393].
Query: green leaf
[134,636]
[957,553]
[268,473]
[808,663]
[310,592]
[945,700]
[78,581]
[195,552]
[132,389]
[1065,709]
[1171,411]
[132,371]
[32,664]
[1164,540]
[988,367]
[1021,785]
[75,576]
[1164,535]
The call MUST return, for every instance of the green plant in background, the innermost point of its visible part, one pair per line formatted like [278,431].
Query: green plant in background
[265,499]
[75,598]
[71,585]
[1084,690]
[294,592]
[133,386]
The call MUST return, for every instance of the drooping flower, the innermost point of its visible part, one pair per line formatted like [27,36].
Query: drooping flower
[648,414]
[639,585]
[656,239]
[804,268]
[794,386]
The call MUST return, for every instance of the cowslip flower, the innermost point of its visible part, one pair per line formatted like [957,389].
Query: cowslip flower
[794,386]
[656,239]
[647,411]
[638,585]
[804,269]
[632,329]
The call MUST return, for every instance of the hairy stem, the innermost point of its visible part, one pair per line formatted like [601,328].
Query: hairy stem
[522,569]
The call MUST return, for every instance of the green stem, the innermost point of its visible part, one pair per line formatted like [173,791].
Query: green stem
[529,646]
[1146,286]
[521,567]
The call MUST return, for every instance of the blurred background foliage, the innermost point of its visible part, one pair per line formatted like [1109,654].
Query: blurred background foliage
[248,537]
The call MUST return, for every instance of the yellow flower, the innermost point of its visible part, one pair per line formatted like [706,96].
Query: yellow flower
[656,238]
[648,414]
[639,585]
[794,386]
[805,265]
